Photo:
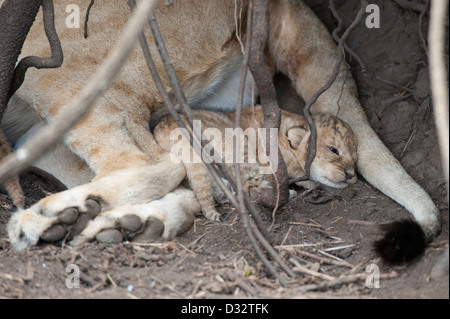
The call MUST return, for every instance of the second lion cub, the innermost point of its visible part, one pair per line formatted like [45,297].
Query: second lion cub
[334,164]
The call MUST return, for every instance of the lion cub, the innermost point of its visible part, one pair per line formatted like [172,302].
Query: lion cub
[334,164]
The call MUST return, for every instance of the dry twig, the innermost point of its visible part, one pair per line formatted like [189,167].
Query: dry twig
[411,5]
[323,89]
[439,90]
[324,260]
[422,38]
[325,285]
[356,57]
[438,78]
[300,268]
[272,113]
[86,20]
[253,232]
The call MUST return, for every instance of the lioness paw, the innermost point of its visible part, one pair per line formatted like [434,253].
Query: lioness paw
[72,221]
[163,218]
[129,227]
[27,227]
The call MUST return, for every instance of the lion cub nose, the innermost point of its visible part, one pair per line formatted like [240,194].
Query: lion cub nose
[349,174]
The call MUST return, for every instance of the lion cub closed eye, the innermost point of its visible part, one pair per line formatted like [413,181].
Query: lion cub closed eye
[336,152]
[334,164]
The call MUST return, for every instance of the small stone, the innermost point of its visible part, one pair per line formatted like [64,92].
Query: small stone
[345,253]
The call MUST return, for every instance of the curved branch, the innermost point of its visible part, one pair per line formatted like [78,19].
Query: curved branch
[16,19]
[438,77]
[272,113]
[411,5]
[439,91]
[54,61]
[361,64]
[250,227]
[323,89]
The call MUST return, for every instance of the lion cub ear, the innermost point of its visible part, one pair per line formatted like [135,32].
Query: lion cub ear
[296,134]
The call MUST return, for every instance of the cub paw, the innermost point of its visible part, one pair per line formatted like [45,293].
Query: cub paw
[212,214]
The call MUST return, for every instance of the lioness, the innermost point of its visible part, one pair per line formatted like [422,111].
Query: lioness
[114,140]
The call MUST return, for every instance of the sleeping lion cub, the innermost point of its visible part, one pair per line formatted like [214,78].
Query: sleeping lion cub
[334,164]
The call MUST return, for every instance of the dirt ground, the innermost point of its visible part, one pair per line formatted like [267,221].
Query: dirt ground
[216,260]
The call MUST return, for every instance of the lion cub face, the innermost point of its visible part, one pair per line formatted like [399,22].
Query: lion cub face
[334,164]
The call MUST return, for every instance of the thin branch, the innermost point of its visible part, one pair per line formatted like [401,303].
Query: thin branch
[86,19]
[226,172]
[422,38]
[172,110]
[344,280]
[324,88]
[238,113]
[411,5]
[336,36]
[439,90]
[243,198]
[252,230]
[248,224]
[302,269]
[272,113]
[181,98]
[438,78]
[179,94]
[170,71]
[47,137]
[361,64]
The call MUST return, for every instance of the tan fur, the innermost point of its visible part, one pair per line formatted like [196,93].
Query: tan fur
[13,185]
[328,168]
[169,136]
[202,43]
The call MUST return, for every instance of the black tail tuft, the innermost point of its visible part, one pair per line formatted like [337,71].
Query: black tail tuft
[402,242]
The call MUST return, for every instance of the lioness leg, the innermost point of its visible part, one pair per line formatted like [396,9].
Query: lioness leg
[125,175]
[302,48]
[67,213]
